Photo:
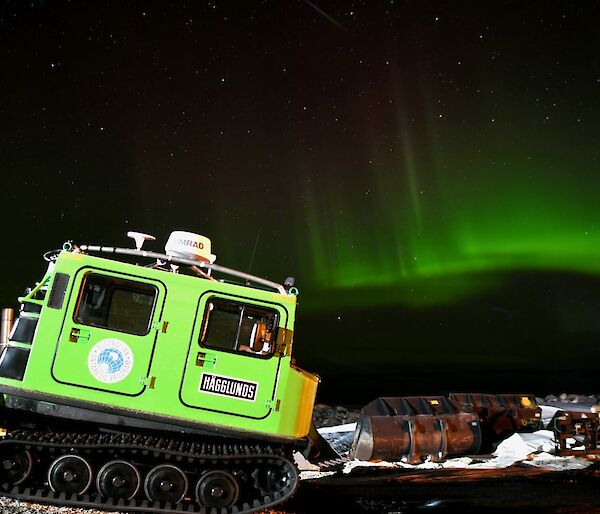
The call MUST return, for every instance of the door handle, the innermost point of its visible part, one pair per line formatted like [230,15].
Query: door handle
[77,334]
[206,359]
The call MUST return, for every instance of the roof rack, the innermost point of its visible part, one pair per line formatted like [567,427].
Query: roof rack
[187,262]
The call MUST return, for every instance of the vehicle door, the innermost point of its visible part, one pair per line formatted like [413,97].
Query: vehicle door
[109,332]
[232,364]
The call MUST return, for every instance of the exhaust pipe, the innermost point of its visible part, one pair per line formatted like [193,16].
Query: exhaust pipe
[6,324]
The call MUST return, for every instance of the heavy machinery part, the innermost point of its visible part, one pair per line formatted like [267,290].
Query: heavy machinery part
[16,467]
[501,415]
[71,474]
[577,433]
[218,489]
[188,262]
[319,449]
[413,429]
[179,475]
[166,483]
[94,347]
[118,479]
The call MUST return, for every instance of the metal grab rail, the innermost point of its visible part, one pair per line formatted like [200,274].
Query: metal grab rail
[187,262]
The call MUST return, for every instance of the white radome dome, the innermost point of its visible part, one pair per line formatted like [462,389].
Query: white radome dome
[188,245]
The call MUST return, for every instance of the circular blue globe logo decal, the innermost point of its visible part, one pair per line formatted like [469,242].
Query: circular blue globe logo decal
[110,361]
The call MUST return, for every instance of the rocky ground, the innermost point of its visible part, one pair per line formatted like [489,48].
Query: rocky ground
[570,398]
[330,416]
[14,507]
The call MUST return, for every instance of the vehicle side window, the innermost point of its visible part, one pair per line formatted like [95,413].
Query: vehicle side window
[116,304]
[239,327]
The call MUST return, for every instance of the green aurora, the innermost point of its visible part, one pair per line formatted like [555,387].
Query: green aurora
[421,238]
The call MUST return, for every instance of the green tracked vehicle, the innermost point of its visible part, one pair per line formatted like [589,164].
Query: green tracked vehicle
[137,381]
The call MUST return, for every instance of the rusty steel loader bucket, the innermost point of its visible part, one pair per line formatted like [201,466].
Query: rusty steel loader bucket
[415,428]
[501,415]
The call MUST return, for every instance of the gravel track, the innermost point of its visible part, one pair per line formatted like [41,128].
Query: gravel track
[15,507]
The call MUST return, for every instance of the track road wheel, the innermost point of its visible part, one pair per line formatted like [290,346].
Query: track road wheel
[217,489]
[70,474]
[15,468]
[271,480]
[118,479]
[166,483]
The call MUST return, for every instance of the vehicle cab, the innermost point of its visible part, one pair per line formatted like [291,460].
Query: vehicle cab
[159,338]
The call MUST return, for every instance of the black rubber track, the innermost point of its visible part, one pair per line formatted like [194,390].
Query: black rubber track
[251,462]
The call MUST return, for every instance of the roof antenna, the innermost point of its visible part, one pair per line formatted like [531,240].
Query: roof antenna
[140,238]
[255,247]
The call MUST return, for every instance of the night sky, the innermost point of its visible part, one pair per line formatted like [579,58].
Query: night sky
[428,171]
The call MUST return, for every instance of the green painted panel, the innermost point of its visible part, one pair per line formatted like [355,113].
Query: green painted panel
[165,357]
[100,357]
[229,382]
